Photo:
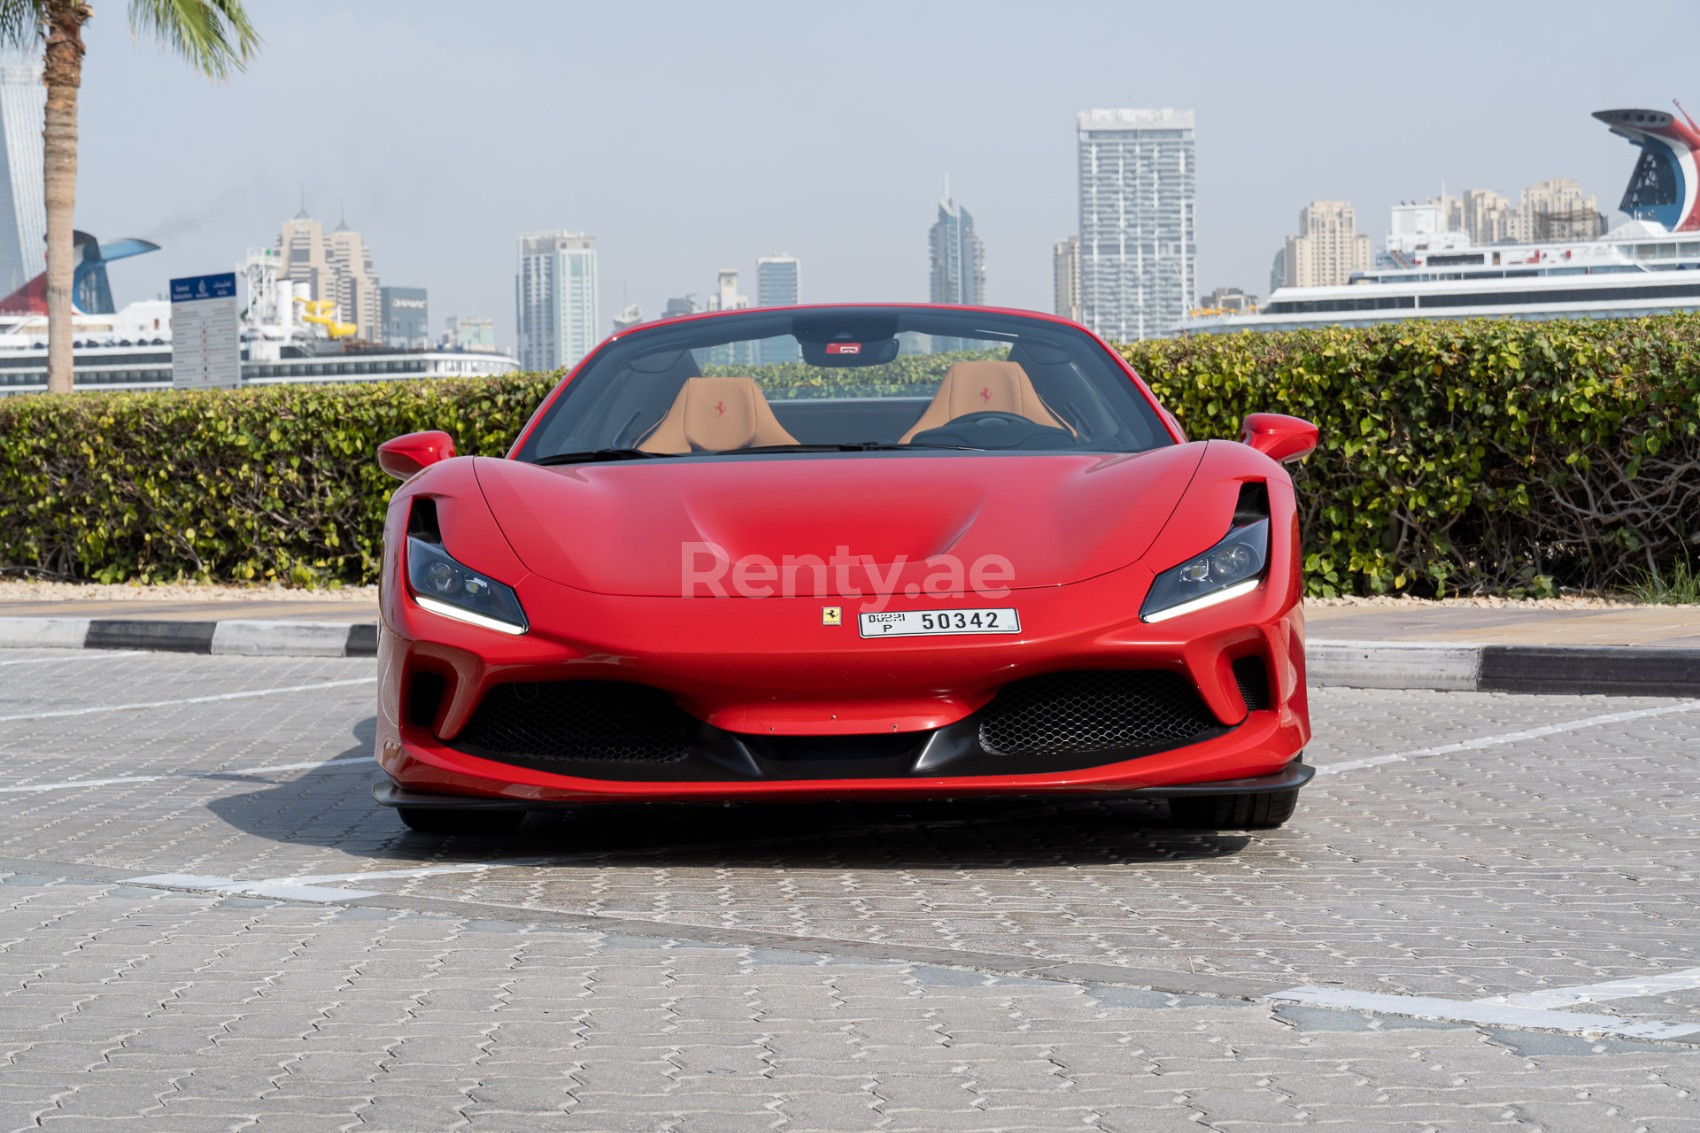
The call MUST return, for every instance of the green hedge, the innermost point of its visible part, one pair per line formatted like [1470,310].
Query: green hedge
[1507,457]
[267,483]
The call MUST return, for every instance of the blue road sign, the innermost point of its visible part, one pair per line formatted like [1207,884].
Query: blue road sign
[194,287]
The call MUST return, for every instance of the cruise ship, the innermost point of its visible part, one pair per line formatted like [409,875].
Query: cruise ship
[1649,265]
[285,337]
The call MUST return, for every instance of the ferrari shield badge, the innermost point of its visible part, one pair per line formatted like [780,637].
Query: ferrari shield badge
[832,615]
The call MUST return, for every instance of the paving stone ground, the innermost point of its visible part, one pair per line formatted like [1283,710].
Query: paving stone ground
[983,966]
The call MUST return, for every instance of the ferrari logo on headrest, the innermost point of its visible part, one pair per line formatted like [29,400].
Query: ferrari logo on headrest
[832,615]
[720,408]
[985,393]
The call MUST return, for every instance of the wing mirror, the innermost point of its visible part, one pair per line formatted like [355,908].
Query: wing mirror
[1279,437]
[406,455]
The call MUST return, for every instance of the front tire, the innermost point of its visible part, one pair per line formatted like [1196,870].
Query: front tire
[1234,812]
[447,820]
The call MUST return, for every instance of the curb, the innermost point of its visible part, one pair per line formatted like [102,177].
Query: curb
[1575,670]
[230,637]
[1572,670]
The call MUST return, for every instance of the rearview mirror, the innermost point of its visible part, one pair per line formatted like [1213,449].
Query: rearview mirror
[405,456]
[1279,437]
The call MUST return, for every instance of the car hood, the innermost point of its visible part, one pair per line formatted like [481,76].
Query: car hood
[673,527]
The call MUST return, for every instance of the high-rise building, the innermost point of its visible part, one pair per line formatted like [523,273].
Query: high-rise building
[1065,270]
[1488,217]
[301,248]
[407,317]
[778,284]
[680,306]
[1328,248]
[958,263]
[336,267]
[556,299]
[778,281]
[726,297]
[958,257]
[470,332]
[359,300]
[1137,242]
[23,207]
[1555,209]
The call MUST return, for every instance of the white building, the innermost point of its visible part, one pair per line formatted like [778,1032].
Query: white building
[1137,247]
[555,294]
[1328,248]
[727,297]
[23,207]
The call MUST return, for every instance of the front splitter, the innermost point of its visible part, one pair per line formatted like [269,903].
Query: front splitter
[1291,777]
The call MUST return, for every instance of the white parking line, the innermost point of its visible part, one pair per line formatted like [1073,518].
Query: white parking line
[72,655]
[305,765]
[1661,984]
[1484,1012]
[99,708]
[1508,737]
[318,886]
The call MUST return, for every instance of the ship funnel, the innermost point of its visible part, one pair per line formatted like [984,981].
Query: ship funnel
[1665,186]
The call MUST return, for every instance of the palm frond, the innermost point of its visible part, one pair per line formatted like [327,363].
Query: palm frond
[214,35]
[20,24]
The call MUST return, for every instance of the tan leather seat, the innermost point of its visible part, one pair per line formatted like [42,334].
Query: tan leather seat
[717,415]
[982,387]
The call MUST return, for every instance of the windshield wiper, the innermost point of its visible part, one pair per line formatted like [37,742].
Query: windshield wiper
[598,454]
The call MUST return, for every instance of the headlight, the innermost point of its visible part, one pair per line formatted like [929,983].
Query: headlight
[446,587]
[1227,570]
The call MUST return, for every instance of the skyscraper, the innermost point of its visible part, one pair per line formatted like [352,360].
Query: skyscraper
[337,267]
[959,264]
[1328,248]
[959,257]
[778,284]
[23,208]
[555,295]
[359,299]
[1137,245]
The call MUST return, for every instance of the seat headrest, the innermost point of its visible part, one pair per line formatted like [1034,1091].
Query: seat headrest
[981,387]
[717,415]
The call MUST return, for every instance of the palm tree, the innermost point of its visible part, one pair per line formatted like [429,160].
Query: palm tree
[213,35]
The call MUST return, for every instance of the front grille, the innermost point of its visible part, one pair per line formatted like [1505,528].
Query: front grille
[1252,675]
[606,721]
[1096,710]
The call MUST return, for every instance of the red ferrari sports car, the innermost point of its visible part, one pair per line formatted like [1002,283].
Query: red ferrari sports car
[843,552]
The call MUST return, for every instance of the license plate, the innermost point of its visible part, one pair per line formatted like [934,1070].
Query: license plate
[921,623]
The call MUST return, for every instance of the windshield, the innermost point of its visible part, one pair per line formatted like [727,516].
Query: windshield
[851,378]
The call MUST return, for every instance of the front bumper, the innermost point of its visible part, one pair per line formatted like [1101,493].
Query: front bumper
[1289,778]
[757,673]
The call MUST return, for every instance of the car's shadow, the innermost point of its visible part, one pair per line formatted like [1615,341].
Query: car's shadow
[332,806]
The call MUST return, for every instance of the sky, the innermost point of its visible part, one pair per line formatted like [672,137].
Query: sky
[691,137]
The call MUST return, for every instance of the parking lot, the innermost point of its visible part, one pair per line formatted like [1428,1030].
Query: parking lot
[1483,916]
